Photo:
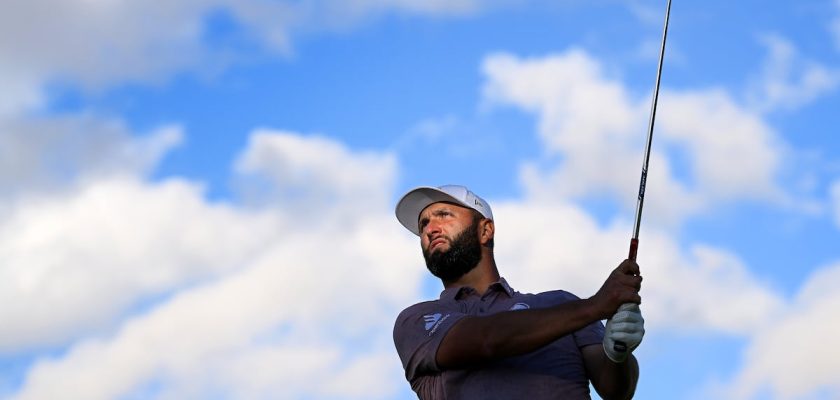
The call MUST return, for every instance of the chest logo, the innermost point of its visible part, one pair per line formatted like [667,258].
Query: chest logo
[520,306]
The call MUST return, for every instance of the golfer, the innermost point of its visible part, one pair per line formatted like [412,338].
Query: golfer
[484,340]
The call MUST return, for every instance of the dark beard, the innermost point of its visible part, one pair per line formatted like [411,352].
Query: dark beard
[463,255]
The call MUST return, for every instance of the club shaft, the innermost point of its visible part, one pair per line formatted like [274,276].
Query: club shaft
[634,242]
[643,181]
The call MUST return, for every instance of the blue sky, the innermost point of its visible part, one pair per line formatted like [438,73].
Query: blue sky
[197,198]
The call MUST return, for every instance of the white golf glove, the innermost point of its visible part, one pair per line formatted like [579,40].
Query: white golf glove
[626,326]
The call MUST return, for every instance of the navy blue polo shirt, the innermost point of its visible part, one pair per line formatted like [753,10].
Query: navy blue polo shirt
[555,371]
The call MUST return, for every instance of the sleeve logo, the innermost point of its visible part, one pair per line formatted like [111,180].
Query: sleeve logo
[433,321]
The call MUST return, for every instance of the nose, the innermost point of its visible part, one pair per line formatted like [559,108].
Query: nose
[431,228]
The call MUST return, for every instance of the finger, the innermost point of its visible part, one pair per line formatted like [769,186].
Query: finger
[627,338]
[627,334]
[629,267]
[627,316]
[626,327]
[631,308]
[634,298]
[624,324]
[632,281]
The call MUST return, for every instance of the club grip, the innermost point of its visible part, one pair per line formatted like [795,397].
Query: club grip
[634,249]
[619,346]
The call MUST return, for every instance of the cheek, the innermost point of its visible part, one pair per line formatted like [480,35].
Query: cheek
[424,242]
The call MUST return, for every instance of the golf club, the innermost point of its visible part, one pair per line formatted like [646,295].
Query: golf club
[634,242]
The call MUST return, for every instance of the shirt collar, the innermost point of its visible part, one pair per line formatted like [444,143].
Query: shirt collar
[456,293]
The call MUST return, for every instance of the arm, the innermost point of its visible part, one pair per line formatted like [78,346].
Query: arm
[474,340]
[613,373]
[611,380]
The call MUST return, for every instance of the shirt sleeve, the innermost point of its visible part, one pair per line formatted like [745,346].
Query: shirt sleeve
[588,335]
[418,332]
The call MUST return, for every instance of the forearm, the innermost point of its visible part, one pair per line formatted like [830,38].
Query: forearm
[615,381]
[478,339]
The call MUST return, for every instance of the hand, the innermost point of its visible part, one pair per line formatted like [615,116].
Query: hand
[626,326]
[622,286]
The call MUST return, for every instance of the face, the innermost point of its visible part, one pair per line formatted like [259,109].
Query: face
[450,241]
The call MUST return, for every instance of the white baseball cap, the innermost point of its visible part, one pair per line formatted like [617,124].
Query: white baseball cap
[417,199]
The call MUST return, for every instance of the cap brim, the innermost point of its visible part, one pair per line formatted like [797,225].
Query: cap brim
[412,204]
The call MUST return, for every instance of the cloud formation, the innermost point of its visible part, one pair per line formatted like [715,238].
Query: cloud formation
[788,79]
[595,129]
[148,289]
[704,289]
[67,42]
[63,41]
[77,262]
[314,175]
[792,357]
[47,154]
[228,291]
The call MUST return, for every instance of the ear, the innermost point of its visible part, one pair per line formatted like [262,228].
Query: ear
[486,231]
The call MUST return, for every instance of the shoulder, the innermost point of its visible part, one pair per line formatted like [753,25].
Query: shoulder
[419,308]
[550,298]
[422,316]
[418,332]
[559,294]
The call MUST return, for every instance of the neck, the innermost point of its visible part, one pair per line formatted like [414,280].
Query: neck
[479,278]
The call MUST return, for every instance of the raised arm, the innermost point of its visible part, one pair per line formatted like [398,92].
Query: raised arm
[475,340]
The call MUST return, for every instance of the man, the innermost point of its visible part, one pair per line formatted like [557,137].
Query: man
[484,340]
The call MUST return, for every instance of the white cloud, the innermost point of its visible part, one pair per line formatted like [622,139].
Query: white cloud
[269,331]
[733,153]
[549,246]
[336,14]
[432,7]
[298,295]
[583,116]
[94,45]
[261,303]
[64,40]
[287,294]
[314,176]
[578,106]
[592,125]
[75,262]
[788,80]
[22,92]
[795,357]
[49,153]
